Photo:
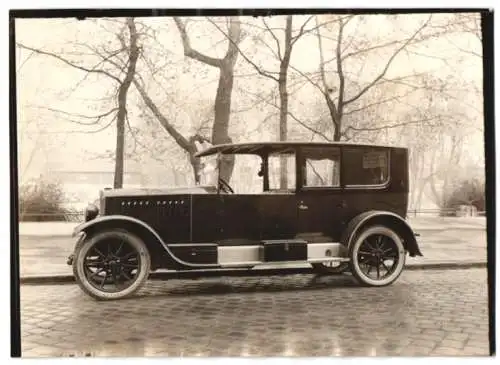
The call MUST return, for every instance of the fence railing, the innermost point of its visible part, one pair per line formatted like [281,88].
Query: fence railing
[52,217]
[438,213]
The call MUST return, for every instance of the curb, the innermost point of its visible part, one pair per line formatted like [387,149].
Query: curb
[46,236]
[69,279]
[447,266]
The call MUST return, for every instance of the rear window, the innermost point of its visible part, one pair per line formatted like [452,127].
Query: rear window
[365,166]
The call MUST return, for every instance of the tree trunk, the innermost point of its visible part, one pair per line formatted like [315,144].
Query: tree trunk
[120,142]
[337,125]
[222,107]
[283,129]
[412,174]
[420,195]
[334,116]
[421,182]
[436,197]
[195,165]
[222,115]
[283,91]
[192,150]
[122,105]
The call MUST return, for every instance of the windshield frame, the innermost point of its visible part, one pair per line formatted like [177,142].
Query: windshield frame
[204,175]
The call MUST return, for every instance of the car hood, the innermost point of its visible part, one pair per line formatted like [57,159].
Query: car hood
[159,191]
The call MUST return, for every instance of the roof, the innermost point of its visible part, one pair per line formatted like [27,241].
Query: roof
[270,147]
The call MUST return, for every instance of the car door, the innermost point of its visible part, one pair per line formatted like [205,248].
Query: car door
[321,207]
[278,205]
[248,218]
[239,219]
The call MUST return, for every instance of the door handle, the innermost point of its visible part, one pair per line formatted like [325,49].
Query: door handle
[342,204]
[303,207]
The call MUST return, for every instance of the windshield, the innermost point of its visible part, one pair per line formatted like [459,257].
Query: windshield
[209,171]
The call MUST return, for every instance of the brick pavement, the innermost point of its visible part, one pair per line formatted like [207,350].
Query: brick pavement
[424,313]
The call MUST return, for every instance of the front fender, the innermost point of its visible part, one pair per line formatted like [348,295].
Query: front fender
[388,219]
[108,218]
[131,221]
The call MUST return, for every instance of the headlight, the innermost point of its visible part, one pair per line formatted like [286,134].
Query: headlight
[91,212]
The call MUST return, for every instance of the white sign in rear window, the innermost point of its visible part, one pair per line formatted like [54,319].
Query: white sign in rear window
[372,160]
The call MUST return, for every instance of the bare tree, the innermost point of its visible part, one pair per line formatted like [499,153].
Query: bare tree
[283,53]
[337,96]
[117,113]
[122,102]
[188,144]
[460,24]
[222,102]
[222,107]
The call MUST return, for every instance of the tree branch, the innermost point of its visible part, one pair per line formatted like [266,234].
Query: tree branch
[190,52]
[234,40]
[260,71]
[274,36]
[372,129]
[383,101]
[388,64]
[273,51]
[301,31]
[321,58]
[98,130]
[339,68]
[69,63]
[97,118]
[179,138]
[133,56]
[268,102]
[321,134]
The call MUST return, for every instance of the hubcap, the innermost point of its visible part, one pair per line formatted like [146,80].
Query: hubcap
[378,256]
[111,265]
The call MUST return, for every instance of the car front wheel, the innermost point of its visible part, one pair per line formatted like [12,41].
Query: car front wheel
[377,256]
[111,265]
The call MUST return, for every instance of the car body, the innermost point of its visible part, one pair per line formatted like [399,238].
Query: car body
[340,208]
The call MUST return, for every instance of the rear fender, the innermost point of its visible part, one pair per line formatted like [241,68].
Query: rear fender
[388,219]
[133,225]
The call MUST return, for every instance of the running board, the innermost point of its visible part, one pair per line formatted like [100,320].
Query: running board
[251,264]
[280,253]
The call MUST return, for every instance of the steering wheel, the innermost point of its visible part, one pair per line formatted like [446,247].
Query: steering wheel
[225,186]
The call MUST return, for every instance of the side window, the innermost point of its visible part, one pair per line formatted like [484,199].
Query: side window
[366,166]
[245,178]
[322,167]
[280,165]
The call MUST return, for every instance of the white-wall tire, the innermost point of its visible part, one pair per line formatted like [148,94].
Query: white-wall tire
[359,257]
[90,287]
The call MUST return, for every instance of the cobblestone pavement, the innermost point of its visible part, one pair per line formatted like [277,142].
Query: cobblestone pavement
[423,313]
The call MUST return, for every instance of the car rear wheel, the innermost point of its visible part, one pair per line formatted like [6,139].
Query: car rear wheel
[111,265]
[377,256]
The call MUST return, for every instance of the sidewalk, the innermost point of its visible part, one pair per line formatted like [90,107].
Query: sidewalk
[418,224]
[443,242]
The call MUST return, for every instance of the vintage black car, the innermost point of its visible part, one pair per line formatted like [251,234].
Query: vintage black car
[339,207]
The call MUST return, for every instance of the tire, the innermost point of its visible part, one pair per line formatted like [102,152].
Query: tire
[134,247]
[330,270]
[370,248]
